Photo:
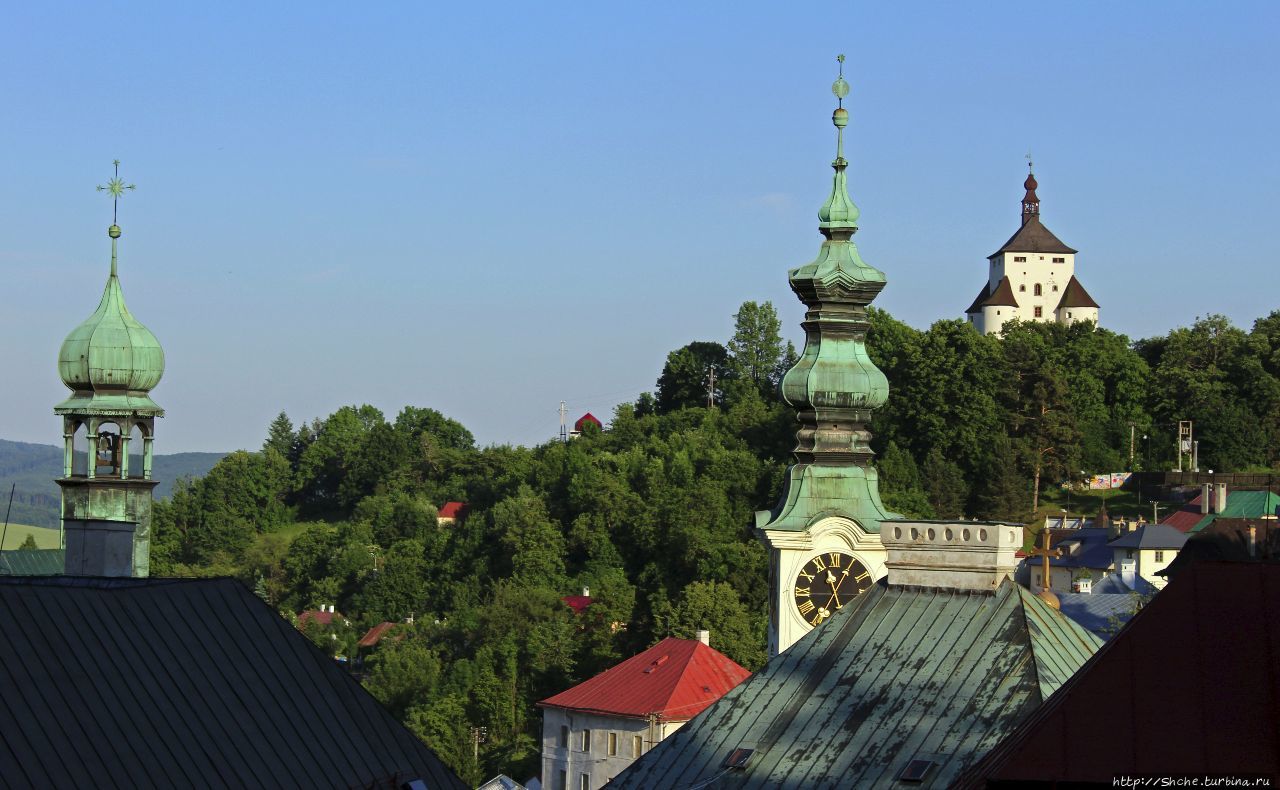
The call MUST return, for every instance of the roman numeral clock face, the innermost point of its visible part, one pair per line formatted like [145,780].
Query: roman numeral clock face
[826,583]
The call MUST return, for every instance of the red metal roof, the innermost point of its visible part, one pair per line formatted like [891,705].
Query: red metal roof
[1185,517]
[1189,686]
[453,510]
[578,603]
[676,679]
[586,418]
[375,634]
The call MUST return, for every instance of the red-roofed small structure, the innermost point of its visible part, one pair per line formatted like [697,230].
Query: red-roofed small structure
[325,615]
[578,603]
[622,712]
[586,419]
[452,512]
[374,635]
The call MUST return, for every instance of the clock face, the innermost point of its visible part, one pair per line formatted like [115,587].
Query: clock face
[826,583]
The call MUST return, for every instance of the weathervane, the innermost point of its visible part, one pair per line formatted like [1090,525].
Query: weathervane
[116,187]
[1031,166]
[840,88]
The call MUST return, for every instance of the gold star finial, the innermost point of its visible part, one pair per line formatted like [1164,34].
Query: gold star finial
[116,188]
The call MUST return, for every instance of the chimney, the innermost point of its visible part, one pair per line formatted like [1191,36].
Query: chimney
[962,555]
[1206,498]
[1220,499]
[586,592]
[1129,573]
[704,636]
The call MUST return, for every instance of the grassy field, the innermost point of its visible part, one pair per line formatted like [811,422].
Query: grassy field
[17,533]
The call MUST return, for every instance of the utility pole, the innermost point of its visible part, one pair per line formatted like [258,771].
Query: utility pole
[1131,438]
[564,436]
[478,736]
[711,387]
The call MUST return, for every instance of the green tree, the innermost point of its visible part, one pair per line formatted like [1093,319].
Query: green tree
[282,437]
[756,346]
[714,606]
[945,485]
[683,382]
[29,544]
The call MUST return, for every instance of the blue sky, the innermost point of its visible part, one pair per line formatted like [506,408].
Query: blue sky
[487,209]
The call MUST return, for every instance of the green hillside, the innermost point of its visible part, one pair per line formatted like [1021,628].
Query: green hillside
[16,534]
[33,467]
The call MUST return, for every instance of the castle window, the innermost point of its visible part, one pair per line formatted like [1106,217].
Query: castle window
[1038,289]
[1039,311]
[1020,259]
[1068,314]
[1159,556]
[997,312]
[1059,260]
[1055,287]
[1022,289]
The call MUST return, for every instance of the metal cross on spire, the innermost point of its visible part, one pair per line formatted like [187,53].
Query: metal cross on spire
[116,187]
[1031,166]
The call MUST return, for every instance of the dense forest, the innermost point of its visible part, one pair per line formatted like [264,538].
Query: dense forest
[654,513]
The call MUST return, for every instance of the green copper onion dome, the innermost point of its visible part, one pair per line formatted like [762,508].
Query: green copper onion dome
[111,360]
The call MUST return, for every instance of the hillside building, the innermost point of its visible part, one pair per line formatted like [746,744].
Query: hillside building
[1032,277]
[593,731]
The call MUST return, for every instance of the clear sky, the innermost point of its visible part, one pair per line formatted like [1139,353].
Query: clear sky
[488,208]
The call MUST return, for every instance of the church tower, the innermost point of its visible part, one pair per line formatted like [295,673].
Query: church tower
[1032,277]
[824,534]
[110,363]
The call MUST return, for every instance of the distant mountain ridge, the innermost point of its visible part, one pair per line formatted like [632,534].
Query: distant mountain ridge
[33,467]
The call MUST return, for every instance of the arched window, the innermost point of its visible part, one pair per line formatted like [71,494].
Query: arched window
[1022,289]
[1038,289]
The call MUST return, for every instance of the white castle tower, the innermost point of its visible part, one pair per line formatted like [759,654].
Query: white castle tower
[1032,277]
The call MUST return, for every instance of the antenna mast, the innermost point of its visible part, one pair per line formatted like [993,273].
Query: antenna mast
[564,435]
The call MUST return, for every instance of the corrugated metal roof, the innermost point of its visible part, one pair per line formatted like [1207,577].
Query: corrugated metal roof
[676,678]
[1240,504]
[1150,536]
[1189,687]
[182,683]
[31,562]
[903,673]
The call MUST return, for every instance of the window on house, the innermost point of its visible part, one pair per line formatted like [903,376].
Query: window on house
[1128,554]
[1068,314]
[1041,257]
[1022,289]
[1020,259]
[997,312]
[1059,260]
[1039,311]
[637,745]
[1055,287]
[584,781]
[1037,578]
[562,780]
[1039,290]
[586,740]
[613,744]
[1159,556]
[564,736]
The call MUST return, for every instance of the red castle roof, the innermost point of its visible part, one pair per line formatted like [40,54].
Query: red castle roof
[587,418]
[676,679]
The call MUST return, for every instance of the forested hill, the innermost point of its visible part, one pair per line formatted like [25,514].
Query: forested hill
[654,513]
[33,467]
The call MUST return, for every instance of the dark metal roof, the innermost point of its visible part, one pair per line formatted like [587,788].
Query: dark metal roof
[1033,236]
[898,675]
[1150,536]
[1074,295]
[1003,294]
[1101,613]
[182,683]
[1189,687]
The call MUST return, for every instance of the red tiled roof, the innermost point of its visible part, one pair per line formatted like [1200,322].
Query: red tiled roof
[578,603]
[1187,687]
[453,510]
[586,418]
[323,618]
[676,678]
[375,634]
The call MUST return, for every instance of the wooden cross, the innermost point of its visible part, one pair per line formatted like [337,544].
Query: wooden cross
[1045,552]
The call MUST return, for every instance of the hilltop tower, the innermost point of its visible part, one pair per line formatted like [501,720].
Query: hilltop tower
[824,534]
[110,363]
[1032,277]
